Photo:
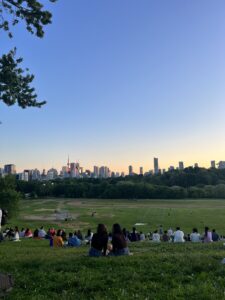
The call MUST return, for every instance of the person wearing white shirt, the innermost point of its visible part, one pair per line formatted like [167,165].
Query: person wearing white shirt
[156,237]
[42,233]
[16,237]
[142,236]
[170,232]
[21,233]
[195,237]
[178,236]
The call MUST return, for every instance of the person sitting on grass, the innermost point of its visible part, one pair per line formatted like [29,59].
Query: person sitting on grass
[99,242]
[156,237]
[142,236]
[195,236]
[187,238]
[170,232]
[79,235]
[134,235]
[178,236]
[9,233]
[42,233]
[35,235]
[22,233]
[88,237]
[57,239]
[126,234]
[73,241]
[119,243]
[28,233]
[165,237]
[63,235]
[16,237]
[207,237]
[215,236]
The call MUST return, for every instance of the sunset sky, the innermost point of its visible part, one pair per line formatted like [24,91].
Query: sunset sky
[125,81]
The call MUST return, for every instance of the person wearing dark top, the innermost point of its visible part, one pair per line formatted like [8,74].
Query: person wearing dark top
[99,242]
[35,235]
[215,236]
[119,243]
[165,237]
[133,235]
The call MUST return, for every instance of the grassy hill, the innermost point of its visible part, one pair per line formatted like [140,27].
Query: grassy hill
[155,271]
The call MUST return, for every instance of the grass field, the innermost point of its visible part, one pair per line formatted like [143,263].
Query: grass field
[184,213]
[155,271]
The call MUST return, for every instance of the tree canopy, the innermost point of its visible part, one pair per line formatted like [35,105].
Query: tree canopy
[15,82]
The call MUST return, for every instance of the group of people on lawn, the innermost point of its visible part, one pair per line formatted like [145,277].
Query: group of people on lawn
[114,243]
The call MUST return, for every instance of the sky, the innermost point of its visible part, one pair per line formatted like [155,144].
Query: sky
[125,81]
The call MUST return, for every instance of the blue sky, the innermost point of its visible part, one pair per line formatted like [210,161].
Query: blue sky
[125,81]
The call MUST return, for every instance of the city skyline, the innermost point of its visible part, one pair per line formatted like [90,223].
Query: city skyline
[123,83]
[155,166]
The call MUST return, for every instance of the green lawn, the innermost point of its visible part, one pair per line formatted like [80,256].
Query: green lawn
[155,271]
[184,213]
[165,271]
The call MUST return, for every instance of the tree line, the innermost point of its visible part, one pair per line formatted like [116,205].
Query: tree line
[188,183]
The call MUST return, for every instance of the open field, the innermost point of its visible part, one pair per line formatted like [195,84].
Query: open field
[184,213]
[155,271]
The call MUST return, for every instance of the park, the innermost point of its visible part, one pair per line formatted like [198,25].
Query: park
[154,271]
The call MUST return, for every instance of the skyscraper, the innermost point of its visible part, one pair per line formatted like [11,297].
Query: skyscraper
[96,171]
[141,170]
[74,169]
[10,169]
[130,170]
[213,164]
[221,165]
[156,165]
[181,165]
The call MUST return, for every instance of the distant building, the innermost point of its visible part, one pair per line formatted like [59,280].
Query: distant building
[181,165]
[74,170]
[28,173]
[43,175]
[213,164]
[141,171]
[221,165]
[156,165]
[10,169]
[196,165]
[35,174]
[24,176]
[104,172]
[171,168]
[52,174]
[130,170]
[96,171]
[65,172]
[122,174]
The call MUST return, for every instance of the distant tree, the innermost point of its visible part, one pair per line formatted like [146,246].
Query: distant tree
[9,200]
[15,82]
[9,197]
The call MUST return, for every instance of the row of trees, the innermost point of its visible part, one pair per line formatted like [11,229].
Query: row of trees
[118,189]
[186,178]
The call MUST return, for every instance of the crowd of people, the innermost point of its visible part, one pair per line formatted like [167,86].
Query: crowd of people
[104,243]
